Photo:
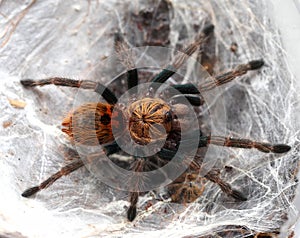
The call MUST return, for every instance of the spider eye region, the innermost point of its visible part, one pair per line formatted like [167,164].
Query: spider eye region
[150,120]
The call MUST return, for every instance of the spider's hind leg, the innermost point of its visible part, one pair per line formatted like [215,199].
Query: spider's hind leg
[66,170]
[99,88]
[62,172]
[125,55]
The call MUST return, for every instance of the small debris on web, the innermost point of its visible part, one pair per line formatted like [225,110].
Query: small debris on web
[17,103]
[7,123]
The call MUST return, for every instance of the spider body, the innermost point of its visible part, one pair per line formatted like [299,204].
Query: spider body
[149,120]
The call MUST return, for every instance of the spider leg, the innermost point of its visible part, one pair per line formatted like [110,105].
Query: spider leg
[230,75]
[166,153]
[243,143]
[188,88]
[62,172]
[185,90]
[181,57]
[69,168]
[125,56]
[213,176]
[99,88]
[193,100]
[111,148]
[131,212]
[138,166]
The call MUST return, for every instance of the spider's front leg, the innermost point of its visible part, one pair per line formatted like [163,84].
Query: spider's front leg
[214,177]
[196,98]
[243,143]
[221,79]
[182,56]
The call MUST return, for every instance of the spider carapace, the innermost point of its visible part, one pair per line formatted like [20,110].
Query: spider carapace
[149,119]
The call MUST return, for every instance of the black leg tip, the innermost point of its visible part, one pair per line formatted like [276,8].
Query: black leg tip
[30,191]
[131,213]
[238,195]
[208,29]
[27,82]
[281,148]
[256,64]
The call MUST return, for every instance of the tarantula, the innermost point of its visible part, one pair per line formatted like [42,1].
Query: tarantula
[150,119]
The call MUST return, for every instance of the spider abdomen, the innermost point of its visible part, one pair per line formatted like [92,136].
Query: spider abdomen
[91,123]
